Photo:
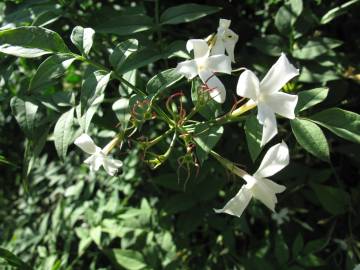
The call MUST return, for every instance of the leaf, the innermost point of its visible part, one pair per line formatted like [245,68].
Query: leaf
[253,133]
[287,15]
[45,18]
[93,87]
[124,25]
[27,114]
[343,123]
[51,69]
[338,11]
[63,133]
[122,110]
[315,245]
[271,44]
[186,13]
[311,138]
[310,98]
[297,246]
[31,41]
[95,234]
[316,47]
[281,249]
[13,260]
[82,38]
[162,81]
[129,259]
[121,52]
[206,137]
[334,200]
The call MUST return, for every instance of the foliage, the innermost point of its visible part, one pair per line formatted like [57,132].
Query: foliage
[69,67]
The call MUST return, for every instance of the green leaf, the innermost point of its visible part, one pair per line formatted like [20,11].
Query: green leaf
[271,44]
[82,38]
[206,138]
[122,110]
[95,234]
[338,11]
[27,114]
[343,123]
[93,87]
[253,133]
[333,200]
[31,41]
[51,69]
[297,246]
[63,133]
[316,47]
[287,15]
[281,249]
[311,138]
[315,245]
[46,18]
[13,260]
[310,98]
[205,105]
[121,52]
[186,13]
[129,259]
[124,25]
[162,81]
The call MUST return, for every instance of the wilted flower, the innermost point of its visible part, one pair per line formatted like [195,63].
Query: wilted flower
[266,95]
[98,156]
[257,185]
[205,65]
[225,40]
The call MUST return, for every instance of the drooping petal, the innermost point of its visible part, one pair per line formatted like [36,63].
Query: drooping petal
[219,63]
[248,85]
[224,23]
[230,41]
[111,166]
[215,87]
[85,143]
[263,193]
[275,159]
[219,47]
[273,186]
[278,75]
[237,204]
[282,103]
[94,161]
[200,47]
[267,118]
[187,68]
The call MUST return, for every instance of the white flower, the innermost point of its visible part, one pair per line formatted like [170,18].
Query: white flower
[225,40]
[205,66]
[98,158]
[266,95]
[257,185]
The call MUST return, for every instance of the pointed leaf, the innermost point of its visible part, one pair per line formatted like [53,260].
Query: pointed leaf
[253,133]
[83,38]
[121,52]
[162,81]
[63,132]
[310,98]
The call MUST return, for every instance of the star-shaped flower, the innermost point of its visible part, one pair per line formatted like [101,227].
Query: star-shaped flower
[98,157]
[205,66]
[266,95]
[257,185]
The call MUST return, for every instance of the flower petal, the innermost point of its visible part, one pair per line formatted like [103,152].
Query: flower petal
[224,23]
[86,144]
[237,204]
[111,165]
[230,41]
[265,194]
[219,63]
[187,68]
[273,186]
[278,75]
[267,118]
[200,47]
[215,87]
[219,47]
[282,103]
[276,158]
[248,85]
[94,162]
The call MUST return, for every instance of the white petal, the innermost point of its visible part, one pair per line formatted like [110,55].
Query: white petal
[273,186]
[276,158]
[219,63]
[282,103]
[200,47]
[237,204]
[267,118]
[215,87]
[229,44]
[111,165]
[223,23]
[86,144]
[278,75]
[187,68]
[94,162]
[219,47]
[248,85]
[265,190]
